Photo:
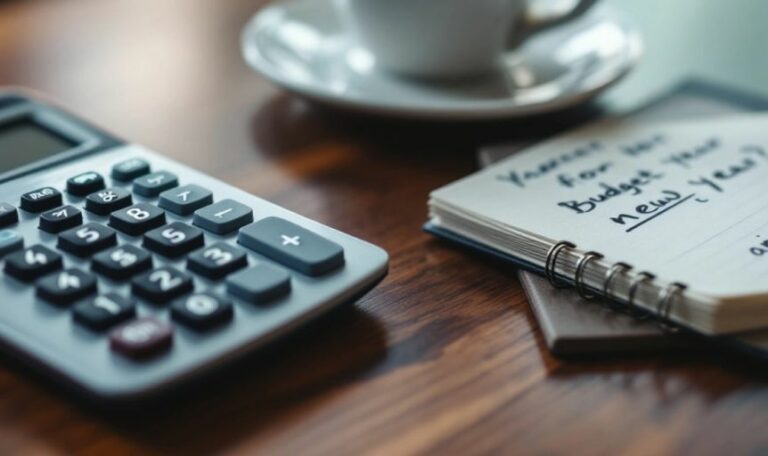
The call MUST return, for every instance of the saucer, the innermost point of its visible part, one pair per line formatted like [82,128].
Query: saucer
[303,46]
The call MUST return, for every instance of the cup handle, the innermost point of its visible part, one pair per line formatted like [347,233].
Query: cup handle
[533,20]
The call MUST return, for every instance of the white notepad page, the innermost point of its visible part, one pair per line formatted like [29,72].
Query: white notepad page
[687,201]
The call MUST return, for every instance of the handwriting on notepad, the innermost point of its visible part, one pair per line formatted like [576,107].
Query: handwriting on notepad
[631,186]
[760,249]
[715,181]
[698,185]
[547,167]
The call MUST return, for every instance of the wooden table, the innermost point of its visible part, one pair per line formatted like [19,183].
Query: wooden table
[444,356]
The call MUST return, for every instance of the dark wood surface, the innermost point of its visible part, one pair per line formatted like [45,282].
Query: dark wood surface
[443,357]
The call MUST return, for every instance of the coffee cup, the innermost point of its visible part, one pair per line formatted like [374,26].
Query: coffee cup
[448,38]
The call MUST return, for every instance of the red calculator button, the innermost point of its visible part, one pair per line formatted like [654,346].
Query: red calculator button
[141,337]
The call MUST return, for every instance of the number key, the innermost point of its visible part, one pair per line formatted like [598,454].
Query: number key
[107,201]
[202,310]
[32,262]
[104,311]
[217,260]
[137,219]
[174,239]
[161,284]
[66,286]
[122,262]
[155,183]
[87,239]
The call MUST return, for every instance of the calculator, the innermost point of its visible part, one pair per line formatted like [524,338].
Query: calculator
[125,273]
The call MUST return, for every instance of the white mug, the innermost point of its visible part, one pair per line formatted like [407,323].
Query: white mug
[447,38]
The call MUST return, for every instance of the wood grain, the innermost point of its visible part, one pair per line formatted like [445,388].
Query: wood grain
[443,357]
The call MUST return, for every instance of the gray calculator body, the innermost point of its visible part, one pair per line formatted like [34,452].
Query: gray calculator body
[47,335]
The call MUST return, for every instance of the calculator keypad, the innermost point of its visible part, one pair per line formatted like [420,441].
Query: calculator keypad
[122,262]
[141,337]
[202,310]
[217,260]
[67,286]
[186,199]
[60,219]
[162,284]
[104,311]
[223,217]
[130,169]
[8,214]
[10,240]
[292,245]
[88,239]
[32,262]
[155,183]
[41,199]
[137,219]
[174,240]
[106,201]
[128,257]
[85,183]
[259,284]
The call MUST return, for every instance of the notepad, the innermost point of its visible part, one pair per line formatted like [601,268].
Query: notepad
[679,203]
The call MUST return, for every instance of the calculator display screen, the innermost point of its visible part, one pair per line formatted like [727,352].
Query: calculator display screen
[25,141]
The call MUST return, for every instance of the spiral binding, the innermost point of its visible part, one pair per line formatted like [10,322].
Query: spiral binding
[632,308]
[617,268]
[551,262]
[578,277]
[663,307]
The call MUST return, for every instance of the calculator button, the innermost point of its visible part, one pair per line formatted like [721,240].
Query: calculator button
[122,262]
[41,199]
[259,284]
[186,199]
[174,239]
[104,202]
[85,183]
[217,260]
[161,284]
[10,240]
[60,219]
[67,286]
[8,214]
[137,219]
[292,245]
[155,183]
[104,311]
[141,337]
[223,217]
[202,310]
[130,169]
[88,239]
[32,262]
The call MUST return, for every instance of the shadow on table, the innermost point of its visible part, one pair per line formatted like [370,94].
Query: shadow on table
[287,124]
[330,352]
[243,398]
[660,372]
